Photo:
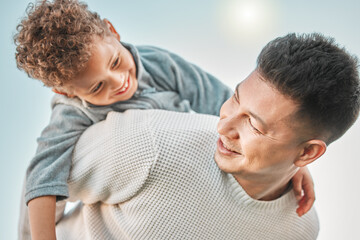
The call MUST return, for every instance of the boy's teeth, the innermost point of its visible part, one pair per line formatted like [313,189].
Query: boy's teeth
[124,88]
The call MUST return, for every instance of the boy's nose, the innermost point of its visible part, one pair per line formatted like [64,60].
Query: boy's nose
[117,81]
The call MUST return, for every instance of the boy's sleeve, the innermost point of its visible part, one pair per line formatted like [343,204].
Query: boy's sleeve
[205,93]
[48,171]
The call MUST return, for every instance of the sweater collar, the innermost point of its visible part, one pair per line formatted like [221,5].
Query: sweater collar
[238,193]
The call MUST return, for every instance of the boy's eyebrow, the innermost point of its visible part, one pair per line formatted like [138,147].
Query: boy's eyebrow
[109,65]
[111,58]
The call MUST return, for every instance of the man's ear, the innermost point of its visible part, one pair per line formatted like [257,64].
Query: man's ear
[311,151]
[112,29]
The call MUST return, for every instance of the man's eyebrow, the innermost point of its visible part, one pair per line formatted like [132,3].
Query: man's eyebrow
[262,122]
[258,119]
[237,89]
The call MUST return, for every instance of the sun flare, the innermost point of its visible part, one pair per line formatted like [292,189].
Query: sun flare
[247,19]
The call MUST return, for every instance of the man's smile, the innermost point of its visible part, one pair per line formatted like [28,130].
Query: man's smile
[225,149]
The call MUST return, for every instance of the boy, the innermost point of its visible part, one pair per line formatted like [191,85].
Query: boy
[80,56]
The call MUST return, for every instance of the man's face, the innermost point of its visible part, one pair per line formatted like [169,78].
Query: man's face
[257,132]
[110,75]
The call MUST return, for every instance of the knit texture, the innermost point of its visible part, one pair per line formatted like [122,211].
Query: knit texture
[150,174]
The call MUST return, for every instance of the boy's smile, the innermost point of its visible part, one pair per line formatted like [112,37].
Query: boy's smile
[125,87]
[110,75]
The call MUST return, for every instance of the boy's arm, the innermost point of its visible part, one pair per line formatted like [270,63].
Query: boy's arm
[42,218]
[48,171]
[205,93]
[303,186]
[24,223]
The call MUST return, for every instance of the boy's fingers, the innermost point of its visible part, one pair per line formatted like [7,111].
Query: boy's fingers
[307,205]
[299,212]
[301,209]
[297,188]
[309,196]
[307,201]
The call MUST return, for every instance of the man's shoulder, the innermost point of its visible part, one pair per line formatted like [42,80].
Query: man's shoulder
[163,120]
[294,227]
[174,128]
[182,121]
[185,136]
[306,226]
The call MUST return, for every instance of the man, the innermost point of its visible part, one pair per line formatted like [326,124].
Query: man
[152,174]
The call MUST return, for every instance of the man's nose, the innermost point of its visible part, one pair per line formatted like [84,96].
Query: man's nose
[227,127]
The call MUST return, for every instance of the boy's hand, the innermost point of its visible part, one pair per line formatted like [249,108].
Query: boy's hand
[303,183]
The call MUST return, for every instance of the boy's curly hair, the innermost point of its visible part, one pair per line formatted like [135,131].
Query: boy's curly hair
[54,40]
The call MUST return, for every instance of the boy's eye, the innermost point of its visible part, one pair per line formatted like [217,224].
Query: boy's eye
[97,87]
[115,63]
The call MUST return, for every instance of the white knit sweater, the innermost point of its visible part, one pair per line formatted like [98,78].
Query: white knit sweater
[150,174]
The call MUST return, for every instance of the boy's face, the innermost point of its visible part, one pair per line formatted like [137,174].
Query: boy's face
[110,74]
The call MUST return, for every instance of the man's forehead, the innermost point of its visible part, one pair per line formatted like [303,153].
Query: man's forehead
[238,85]
[265,101]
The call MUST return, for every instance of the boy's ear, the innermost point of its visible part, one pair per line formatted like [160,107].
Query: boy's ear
[112,29]
[62,93]
[311,151]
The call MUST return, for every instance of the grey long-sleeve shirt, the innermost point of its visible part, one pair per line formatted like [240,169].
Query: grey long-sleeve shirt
[165,81]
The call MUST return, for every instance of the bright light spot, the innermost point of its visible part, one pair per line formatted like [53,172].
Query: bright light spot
[248,19]
[245,14]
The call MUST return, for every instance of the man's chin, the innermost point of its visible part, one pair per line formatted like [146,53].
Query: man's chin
[223,164]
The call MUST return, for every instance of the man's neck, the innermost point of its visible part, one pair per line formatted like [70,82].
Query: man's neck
[264,190]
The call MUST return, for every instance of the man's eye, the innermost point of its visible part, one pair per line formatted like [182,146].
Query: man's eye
[115,63]
[254,128]
[235,97]
[97,87]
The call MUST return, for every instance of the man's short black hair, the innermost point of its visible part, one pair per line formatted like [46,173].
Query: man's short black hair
[318,75]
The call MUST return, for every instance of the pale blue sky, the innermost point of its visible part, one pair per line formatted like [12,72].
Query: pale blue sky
[223,42]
